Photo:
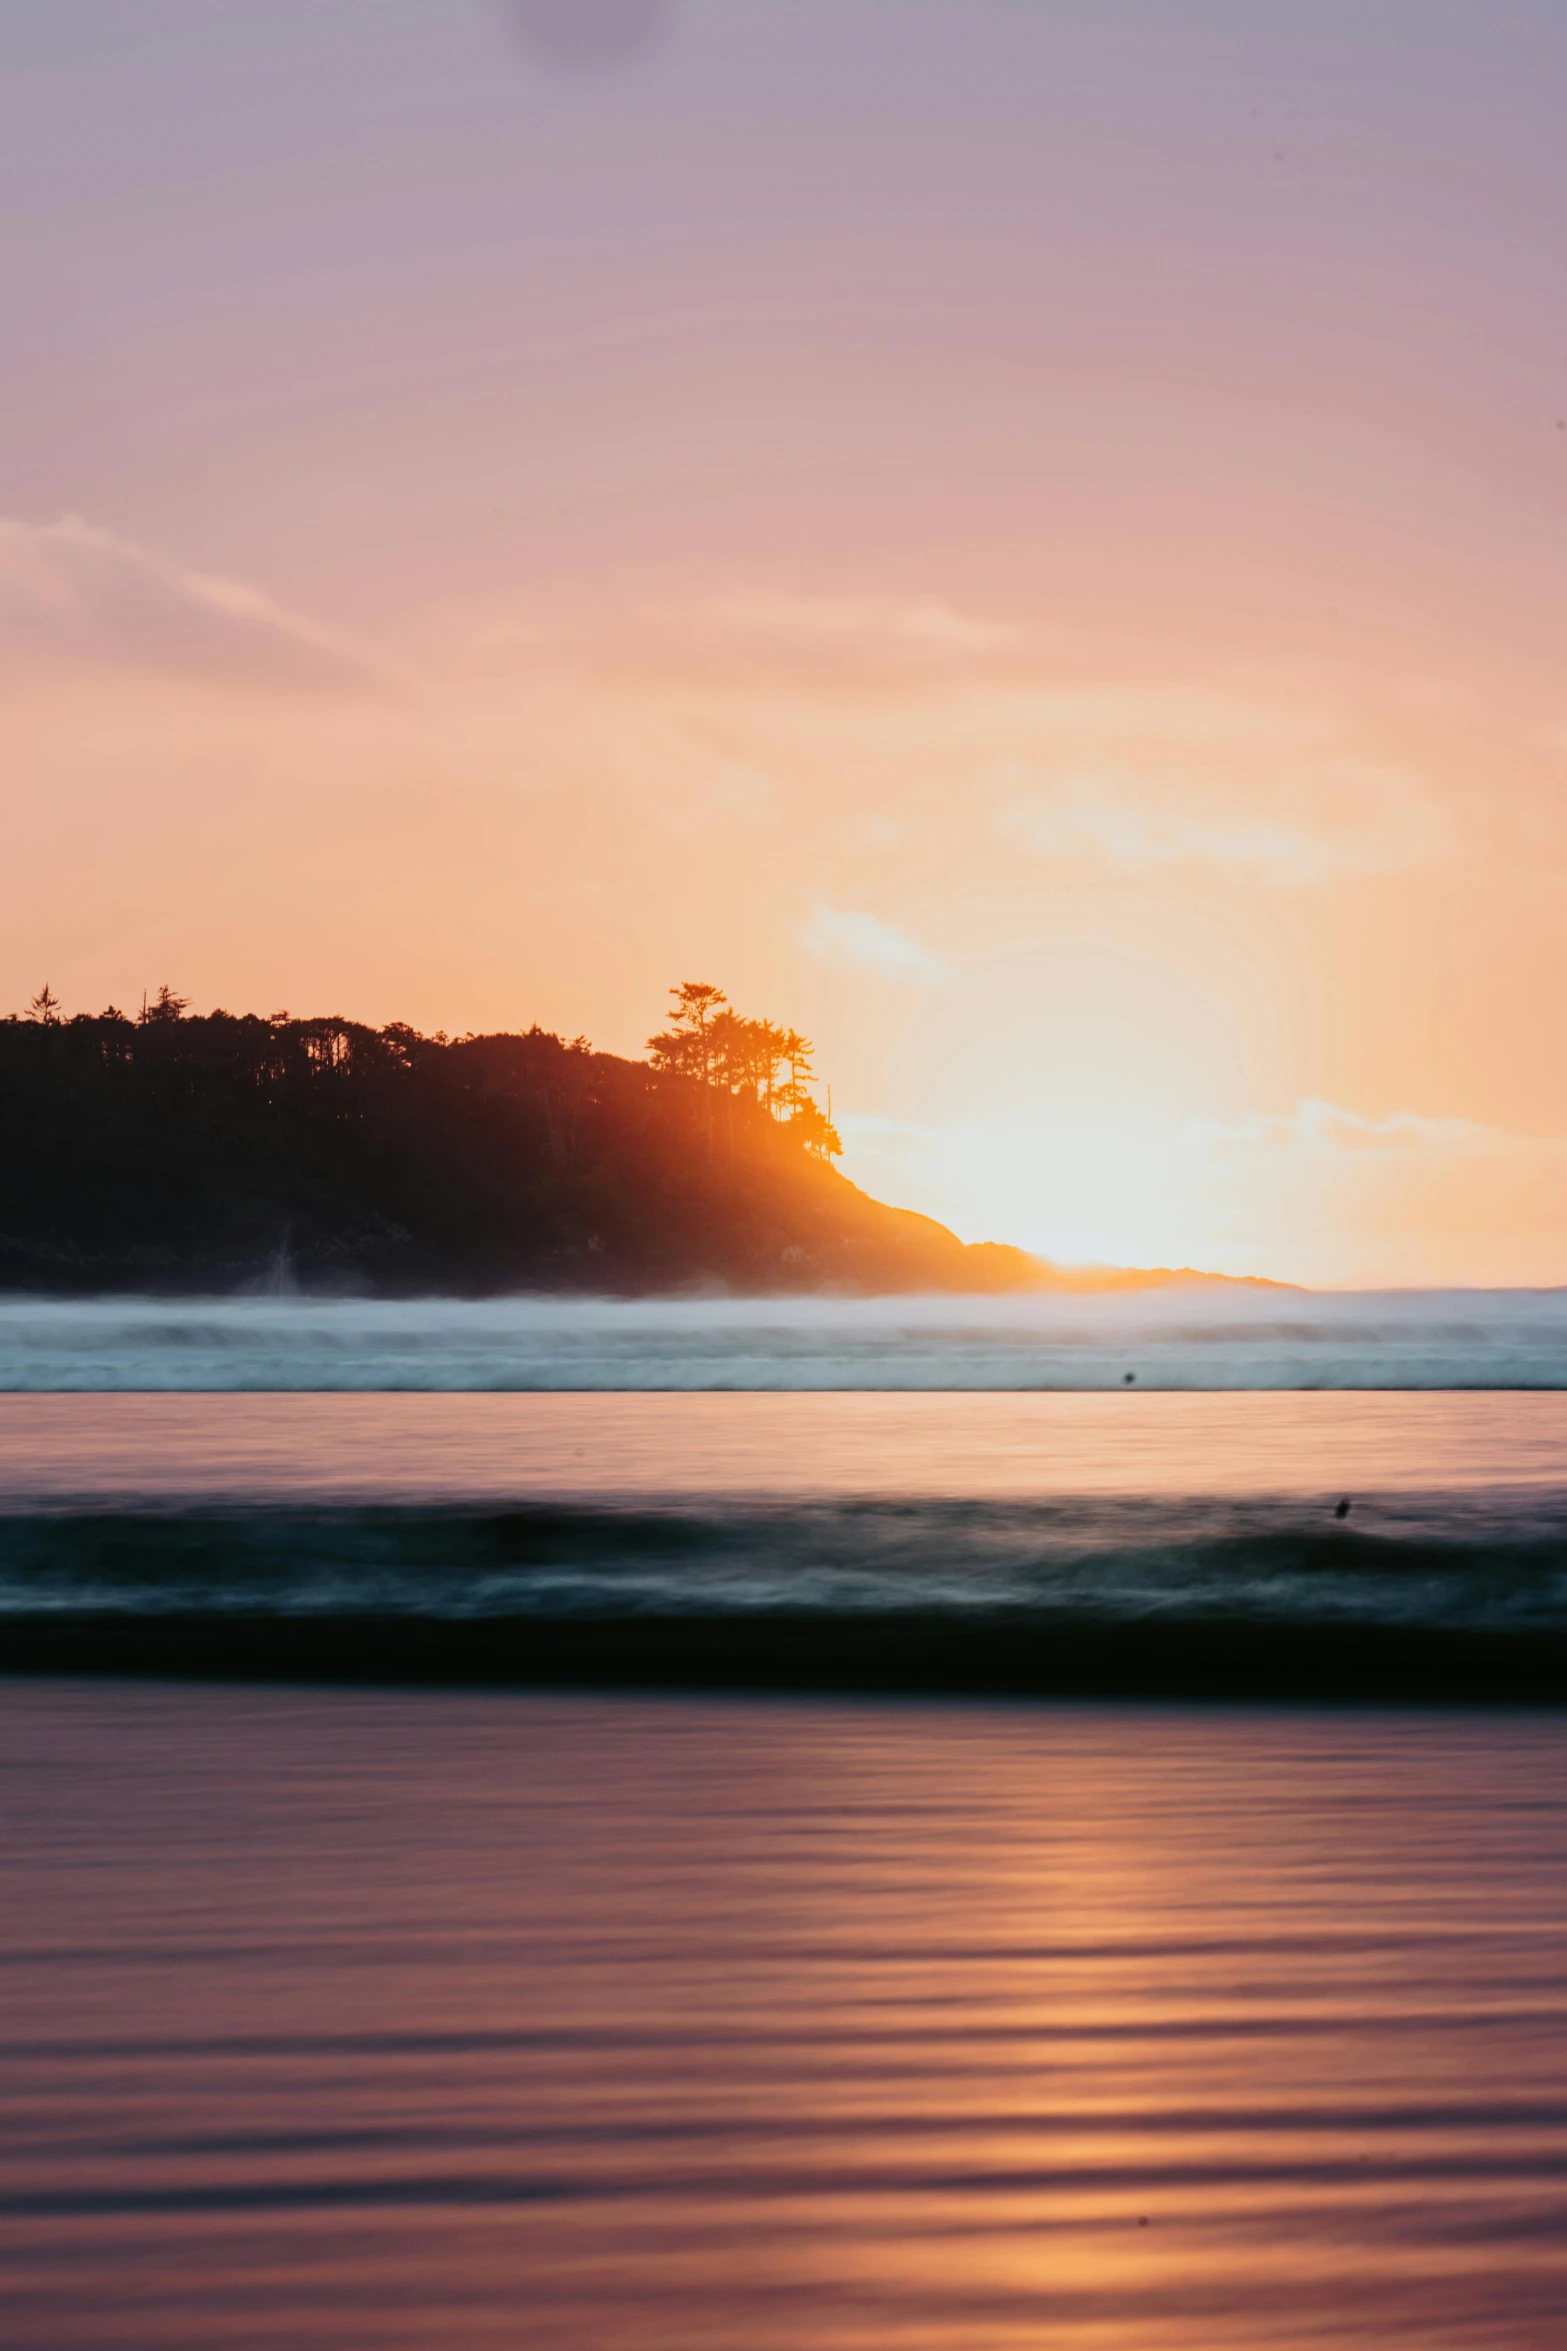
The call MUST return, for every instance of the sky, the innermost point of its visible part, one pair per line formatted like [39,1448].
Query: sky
[1026,541]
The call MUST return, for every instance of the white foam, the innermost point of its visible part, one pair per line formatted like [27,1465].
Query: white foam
[1175,1339]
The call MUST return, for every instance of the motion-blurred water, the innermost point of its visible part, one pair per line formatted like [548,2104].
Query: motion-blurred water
[1192,1338]
[1413,1511]
[379,2023]
[386,2023]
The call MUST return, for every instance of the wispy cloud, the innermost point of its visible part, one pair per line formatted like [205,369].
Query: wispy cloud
[1328,1192]
[1326,1130]
[751,637]
[1309,822]
[880,628]
[580,35]
[936,710]
[70,592]
[842,935]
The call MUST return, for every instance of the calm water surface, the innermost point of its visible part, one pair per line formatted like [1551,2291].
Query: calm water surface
[370,2021]
[466,1448]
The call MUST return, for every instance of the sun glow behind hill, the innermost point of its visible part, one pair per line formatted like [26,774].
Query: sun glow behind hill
[1063,595]
[1320,1197]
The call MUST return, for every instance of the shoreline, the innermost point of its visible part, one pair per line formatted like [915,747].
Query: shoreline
[1216,1660]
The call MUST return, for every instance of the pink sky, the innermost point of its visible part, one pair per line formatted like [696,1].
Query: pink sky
[1026,541]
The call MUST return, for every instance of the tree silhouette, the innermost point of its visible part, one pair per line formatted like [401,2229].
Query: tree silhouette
[172,1147]
[164,1006]
[798,1052]
[811,1125]
[734,1059]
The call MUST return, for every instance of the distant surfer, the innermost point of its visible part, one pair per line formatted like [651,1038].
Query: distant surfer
[1343,1508]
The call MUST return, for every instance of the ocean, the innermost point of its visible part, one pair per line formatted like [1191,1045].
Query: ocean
[1191,1337]
[819,1826]
[888,1493]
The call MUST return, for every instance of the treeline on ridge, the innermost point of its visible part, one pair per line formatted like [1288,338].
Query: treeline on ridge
[180,1151]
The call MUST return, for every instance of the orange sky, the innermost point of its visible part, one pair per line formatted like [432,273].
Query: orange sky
[1030,548]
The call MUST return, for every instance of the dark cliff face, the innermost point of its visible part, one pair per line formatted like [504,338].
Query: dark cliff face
[194,1153]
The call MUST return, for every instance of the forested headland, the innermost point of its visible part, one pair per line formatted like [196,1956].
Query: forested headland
[180,1152]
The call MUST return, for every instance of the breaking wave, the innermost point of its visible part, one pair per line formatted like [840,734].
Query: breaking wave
[1461,1559]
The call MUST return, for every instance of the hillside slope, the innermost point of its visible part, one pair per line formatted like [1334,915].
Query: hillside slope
[180,1154]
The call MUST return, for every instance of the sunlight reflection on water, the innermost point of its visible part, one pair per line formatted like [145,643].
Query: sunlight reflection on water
[376,2020]
[469,1448]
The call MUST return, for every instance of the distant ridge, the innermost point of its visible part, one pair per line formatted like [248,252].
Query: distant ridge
[1017,1269]
[175,1154]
